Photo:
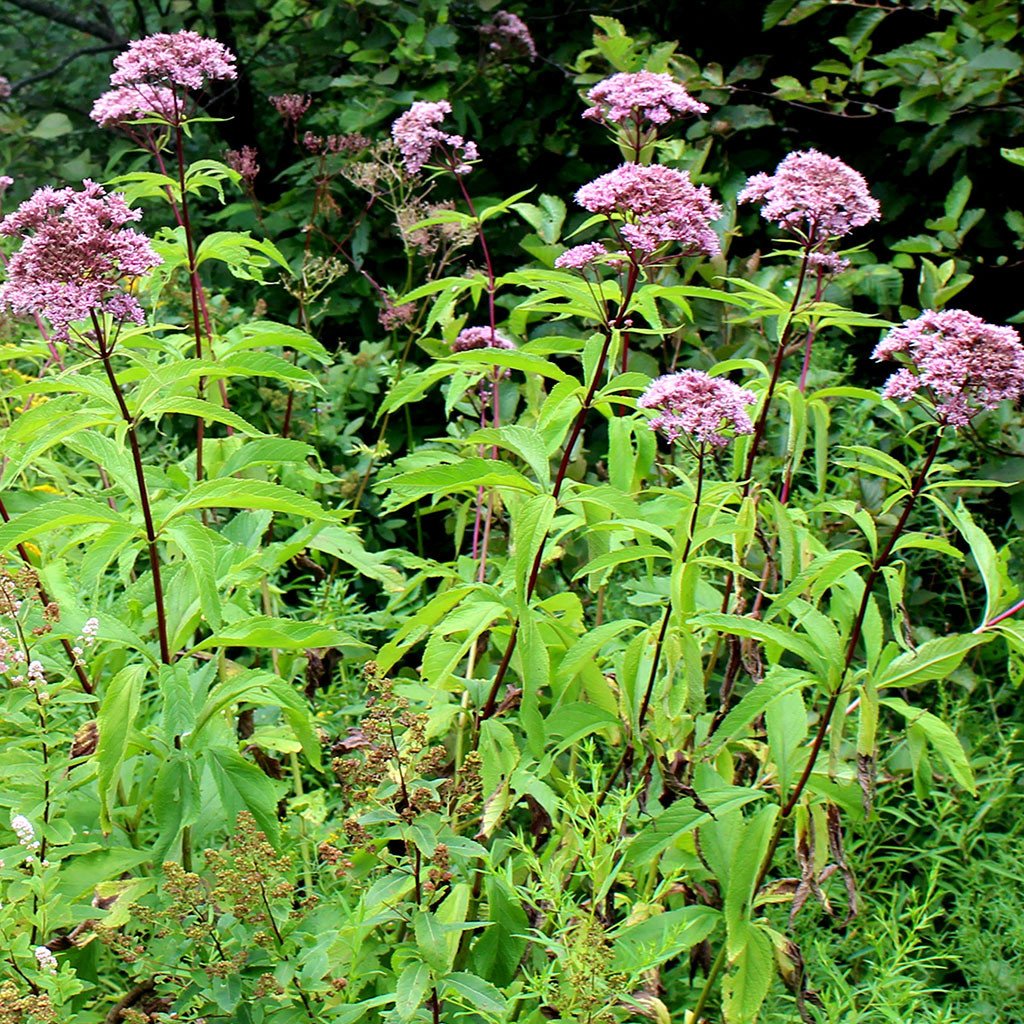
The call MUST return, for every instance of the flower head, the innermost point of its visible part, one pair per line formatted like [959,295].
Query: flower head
[699,405]
[509,36]
[5,88]
[641,96]
[659,205]
[813,195]
[963,363]
[480,337]
[580,256]
[6,181]
[76,257]
[291,106]
[127,103]
[244,161]
[417,136]
[184,58]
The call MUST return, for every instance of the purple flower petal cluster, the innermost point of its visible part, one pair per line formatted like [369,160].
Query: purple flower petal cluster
[133,102]
[817,197]
[659,205]
[480,337]
[244,161]
[963,363]
[291,106]
[641,96]
[580,256]
[6,181]
[417,136]
[698,405]
[509,36]
[77,256]
[184,59]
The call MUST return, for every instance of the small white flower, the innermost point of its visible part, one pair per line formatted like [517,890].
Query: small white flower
[46,960]
[23,830]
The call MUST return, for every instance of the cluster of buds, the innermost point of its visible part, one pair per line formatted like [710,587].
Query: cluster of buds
[26,834]
[86,639]
[354,142]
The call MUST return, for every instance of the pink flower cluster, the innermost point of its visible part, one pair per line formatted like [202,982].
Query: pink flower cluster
[698,405]
[961,362]
[5,88]
[659,205]
[6,181]
[184,59]
[509,36]
[291,106]
[76,256]
[641,96]
[480,337]
[128,103]
[815,196]
[417,136]
[580,256]
[244,161]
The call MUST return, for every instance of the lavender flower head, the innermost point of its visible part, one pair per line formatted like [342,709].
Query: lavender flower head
[184,59]
[291,106]
[417,136]
[470,338]
[659,205]
[641,96]
[698,405]
[77,256]
[815,196]
[580,256]
[961,362]
[509,36]
[126,103]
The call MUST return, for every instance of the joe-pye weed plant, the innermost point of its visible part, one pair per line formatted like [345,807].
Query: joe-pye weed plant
[650,657]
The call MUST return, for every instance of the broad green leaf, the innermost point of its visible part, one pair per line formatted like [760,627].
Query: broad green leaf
[243,786]
[411,989]
[115,721]
[750,977]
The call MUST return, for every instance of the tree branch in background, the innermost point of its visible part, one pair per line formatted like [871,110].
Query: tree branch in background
[61,65]
[55,12]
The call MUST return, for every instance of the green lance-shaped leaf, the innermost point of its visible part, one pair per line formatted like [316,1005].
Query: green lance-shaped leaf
[266,333]
[531,522]
[476,993]
[248,494]
[940,736]
[114,722]
[934,659]
[55,515]
[776,684]
[463,477]
[268,631]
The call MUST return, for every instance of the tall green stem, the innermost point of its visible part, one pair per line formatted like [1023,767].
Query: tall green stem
[140,479]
